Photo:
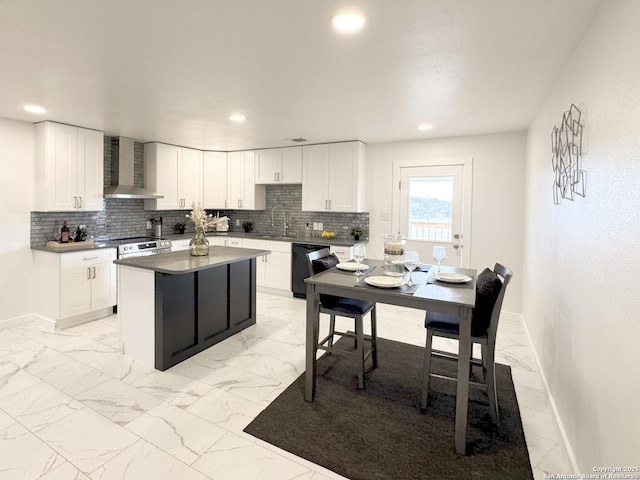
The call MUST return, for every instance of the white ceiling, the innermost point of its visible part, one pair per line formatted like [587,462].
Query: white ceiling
[173,71]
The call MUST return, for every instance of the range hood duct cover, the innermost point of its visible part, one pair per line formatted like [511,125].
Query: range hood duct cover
[122,172]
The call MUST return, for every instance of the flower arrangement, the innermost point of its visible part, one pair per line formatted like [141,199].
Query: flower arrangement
[179,227]
[247,226]
[200,218]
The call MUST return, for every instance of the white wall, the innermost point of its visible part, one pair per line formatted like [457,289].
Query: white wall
[16,199]
[582,258]
[498,196]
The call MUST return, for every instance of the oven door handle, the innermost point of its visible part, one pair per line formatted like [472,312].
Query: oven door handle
[140,254]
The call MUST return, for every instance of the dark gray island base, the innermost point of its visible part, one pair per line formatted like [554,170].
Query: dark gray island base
[172,306]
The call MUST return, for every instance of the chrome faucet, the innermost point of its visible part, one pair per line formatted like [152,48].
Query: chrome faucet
[284,219]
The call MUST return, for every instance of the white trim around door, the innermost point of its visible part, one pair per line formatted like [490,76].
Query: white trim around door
[467,189]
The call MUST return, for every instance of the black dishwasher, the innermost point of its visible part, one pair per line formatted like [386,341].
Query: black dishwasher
[299,267]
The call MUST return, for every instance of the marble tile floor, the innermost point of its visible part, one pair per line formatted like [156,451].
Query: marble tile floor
[72,406]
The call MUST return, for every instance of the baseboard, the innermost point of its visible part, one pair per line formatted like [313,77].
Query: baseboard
[45,323]
[12,322]
[554,409]
[274,291]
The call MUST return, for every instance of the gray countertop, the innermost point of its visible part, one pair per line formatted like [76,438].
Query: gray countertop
[341,242]
[182,262]
[78,247]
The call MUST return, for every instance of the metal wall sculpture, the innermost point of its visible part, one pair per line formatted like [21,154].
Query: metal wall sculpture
[566,149]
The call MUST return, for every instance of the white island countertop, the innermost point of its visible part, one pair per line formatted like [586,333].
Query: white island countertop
[182,262]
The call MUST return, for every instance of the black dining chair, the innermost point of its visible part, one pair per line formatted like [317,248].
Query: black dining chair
[490,290]
[319,261]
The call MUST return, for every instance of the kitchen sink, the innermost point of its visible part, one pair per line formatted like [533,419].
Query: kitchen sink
[276,236]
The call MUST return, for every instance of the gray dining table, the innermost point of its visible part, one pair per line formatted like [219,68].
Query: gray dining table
[440,297]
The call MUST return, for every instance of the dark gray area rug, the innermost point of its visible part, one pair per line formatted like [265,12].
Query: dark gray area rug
[379,432]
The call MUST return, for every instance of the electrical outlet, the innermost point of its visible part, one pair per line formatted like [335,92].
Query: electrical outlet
[149,227]
[385,216]
[315,225]
[237,222]
[320,226]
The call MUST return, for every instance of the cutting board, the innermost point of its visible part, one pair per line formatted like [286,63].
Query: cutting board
[70,245]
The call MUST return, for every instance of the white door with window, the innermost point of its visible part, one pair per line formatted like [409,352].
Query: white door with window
[433,208]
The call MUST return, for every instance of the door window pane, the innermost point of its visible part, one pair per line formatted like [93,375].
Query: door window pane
[430,208]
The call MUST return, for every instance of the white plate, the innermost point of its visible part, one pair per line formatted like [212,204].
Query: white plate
[351,266]
[451,277]
[384,281]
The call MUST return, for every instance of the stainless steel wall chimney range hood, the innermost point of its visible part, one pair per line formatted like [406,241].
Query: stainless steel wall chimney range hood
[122,174]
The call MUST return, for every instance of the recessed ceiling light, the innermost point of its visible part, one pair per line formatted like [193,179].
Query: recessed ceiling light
[34,109]
[425,126]
[348,22]
[237,118]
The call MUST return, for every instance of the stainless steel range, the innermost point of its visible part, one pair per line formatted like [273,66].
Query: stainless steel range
[139,246]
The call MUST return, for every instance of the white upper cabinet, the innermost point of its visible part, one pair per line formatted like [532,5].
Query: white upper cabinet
[190,179]
[214,180]
[279,165]
[69,168]
[174,172]
[243,193]
[333,177]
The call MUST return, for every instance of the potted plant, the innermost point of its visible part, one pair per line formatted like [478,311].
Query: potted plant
[356,232]
[179,227]
[248,226]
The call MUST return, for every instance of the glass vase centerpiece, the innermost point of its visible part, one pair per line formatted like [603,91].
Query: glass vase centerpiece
[199,245]
[394,254]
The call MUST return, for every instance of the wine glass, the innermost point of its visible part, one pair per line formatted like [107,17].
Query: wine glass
[358,256]
[72,234]
[439,254]
[411,261]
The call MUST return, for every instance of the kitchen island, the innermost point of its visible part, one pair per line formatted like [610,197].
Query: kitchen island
[172,306]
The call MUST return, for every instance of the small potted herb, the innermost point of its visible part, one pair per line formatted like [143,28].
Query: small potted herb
[356,232]
[179,227]
[248,226]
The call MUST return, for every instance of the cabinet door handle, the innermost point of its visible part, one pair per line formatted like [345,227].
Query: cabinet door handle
[89,258]
[88,273]
[80,203]
[94,272]
[75,202]
[275,177]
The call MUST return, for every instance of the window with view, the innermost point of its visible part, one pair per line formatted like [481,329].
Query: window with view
[430,201]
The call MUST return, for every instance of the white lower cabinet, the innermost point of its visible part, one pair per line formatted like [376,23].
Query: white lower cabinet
[76,287]
[273,270]
[214,240]
[181,244]
[224,241]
